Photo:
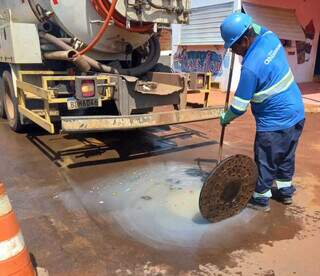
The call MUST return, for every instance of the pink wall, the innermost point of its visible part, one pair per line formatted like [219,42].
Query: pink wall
[305,11]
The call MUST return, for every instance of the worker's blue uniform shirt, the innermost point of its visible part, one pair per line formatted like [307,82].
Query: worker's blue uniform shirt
[267,83]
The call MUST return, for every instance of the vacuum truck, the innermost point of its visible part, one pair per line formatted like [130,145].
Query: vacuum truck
[92,65]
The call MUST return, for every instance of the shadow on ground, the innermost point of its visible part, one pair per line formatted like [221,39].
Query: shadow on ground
[81,150]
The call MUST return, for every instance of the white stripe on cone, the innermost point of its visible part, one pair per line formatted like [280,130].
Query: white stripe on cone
[5,205]
[11,247]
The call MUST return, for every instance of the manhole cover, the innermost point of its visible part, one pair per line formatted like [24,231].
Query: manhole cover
[228,188]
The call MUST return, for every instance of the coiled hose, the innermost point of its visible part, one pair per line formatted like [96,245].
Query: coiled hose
[149,63]
[102,30]
[108,11]
[103,8]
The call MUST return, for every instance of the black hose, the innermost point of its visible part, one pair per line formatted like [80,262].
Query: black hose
[150,62]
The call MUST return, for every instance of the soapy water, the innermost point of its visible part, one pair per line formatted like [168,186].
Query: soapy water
[158,205]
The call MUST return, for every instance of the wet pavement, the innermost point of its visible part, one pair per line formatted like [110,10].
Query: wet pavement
[126,203]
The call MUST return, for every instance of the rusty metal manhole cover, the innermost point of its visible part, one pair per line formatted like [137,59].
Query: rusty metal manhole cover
[228,188]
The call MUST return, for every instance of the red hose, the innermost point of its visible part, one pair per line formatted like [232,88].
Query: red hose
[106,11]
[103,7]
[102,30]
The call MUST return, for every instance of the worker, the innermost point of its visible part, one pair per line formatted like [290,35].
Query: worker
[267,83]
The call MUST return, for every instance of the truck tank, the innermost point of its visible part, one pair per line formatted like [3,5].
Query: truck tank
[132,25]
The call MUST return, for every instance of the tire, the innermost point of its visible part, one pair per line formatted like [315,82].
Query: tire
[11,103]
[160,67]
[2,111]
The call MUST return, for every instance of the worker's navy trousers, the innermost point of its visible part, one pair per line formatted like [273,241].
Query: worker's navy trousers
[275,159]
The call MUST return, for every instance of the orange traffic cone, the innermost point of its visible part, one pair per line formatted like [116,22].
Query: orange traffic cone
[14,256]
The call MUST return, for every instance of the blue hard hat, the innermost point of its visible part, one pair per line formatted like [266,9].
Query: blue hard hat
[233,27]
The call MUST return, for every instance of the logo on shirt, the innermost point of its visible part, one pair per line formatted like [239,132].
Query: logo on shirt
[272,54]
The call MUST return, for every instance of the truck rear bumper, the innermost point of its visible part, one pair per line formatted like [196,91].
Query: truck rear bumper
[105,123]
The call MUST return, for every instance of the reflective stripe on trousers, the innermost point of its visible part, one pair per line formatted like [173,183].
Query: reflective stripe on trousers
[260,195]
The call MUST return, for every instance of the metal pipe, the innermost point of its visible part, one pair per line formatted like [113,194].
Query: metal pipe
[64,46]
[226,105]
[79,61]
[47,47]
[135,71]
[67,40]
[56,55]
[56,41]
[100,66]
[71,56]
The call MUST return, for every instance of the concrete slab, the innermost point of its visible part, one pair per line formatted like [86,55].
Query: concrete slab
[125,203]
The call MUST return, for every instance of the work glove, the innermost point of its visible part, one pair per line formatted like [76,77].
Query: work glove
[226,117]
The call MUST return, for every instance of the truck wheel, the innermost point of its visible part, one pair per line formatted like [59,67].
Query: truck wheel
[2,111]
[11,103]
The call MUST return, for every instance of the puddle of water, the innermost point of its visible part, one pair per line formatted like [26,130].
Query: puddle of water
[158,205]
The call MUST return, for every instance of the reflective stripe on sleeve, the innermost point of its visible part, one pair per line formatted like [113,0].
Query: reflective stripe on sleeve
[240,104]
[277,88]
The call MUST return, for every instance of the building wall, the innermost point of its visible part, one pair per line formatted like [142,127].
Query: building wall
[165,46]
[165,39]
[202,58]
[199,56]
[306,10]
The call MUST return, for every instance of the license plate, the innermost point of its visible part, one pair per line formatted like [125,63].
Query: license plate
[84,103]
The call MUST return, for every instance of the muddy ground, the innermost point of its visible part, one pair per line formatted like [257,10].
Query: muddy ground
[126,203]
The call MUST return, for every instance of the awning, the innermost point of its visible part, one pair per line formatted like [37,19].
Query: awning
[283,22]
